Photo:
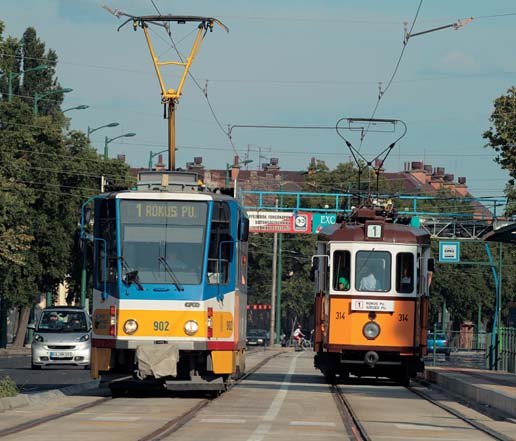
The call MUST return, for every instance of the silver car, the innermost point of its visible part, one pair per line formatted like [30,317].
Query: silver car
[62,335]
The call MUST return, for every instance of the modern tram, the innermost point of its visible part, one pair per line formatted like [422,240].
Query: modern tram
[372,275]
[170,283]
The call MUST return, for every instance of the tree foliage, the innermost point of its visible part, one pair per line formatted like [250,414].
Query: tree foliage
[46,173]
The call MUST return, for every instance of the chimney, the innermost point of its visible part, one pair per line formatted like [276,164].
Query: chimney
[417,165]
[428,169]
[160,165]
[120,157]
[462,180]
[236,159]
[439,172]
[448,177]
[198,160]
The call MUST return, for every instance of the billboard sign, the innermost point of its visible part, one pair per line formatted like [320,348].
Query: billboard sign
[280,222]
[449,251]
[320,221]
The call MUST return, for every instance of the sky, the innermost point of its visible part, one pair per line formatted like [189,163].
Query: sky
[288,63]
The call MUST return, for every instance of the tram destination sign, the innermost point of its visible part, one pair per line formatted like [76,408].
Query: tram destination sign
[372,305]
[280,222]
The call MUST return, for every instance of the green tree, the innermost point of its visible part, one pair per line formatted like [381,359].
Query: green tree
[501,138]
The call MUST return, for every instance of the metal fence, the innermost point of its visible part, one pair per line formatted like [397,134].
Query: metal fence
[507,348]
[471,349]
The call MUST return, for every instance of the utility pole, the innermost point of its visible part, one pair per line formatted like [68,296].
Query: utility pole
[273,294]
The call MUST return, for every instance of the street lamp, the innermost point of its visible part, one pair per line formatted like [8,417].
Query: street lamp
[108,140]
[81,107]
[90,130]
[152,155]
[228,166]
[12,75]
[39,96]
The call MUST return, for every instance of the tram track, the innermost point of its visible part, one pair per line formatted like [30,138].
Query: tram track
[163,431]
[357,431]
[478,426]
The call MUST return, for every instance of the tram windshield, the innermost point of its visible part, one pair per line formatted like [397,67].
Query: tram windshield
[373,271]
[164,240]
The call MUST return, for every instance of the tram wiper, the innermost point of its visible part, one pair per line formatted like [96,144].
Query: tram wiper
[131,276]
[171,273]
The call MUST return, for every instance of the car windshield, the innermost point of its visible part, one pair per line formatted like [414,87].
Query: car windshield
[256,333]
[63,321]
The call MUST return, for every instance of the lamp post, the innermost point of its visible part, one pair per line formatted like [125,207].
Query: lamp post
[228,166]
[152,155]
[12,75]
[108,140]
[90,130]
[40,96]
[81,107]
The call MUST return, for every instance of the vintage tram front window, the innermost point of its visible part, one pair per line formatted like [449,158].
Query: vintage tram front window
[373,271]
[405,272]
[163,240]
[341,270]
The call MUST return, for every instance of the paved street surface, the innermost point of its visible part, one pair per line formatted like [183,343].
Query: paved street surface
[31,381]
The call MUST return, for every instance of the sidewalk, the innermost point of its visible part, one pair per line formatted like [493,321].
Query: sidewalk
[11,351]
[495,389]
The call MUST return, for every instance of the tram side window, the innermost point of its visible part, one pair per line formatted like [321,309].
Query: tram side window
[341,270]
[405,272]
[221,244]
[107,231]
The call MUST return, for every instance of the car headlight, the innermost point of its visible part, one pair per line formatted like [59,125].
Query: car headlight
[130,326]
[191,327]
[85,337]
[371,330]
[260,340]
[38,338]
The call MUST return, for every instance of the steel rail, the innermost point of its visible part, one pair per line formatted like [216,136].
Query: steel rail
[479,426]
[176,423]
[37,422]
[351,422]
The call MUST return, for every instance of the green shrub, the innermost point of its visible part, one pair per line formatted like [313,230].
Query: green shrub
[8,387]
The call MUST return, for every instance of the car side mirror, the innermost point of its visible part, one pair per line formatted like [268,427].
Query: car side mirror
[430,266]
[31,326]
[245,230]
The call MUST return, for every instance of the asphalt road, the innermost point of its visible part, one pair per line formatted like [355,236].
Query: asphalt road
[31,381]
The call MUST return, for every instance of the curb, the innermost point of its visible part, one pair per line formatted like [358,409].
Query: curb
[478,394]
[23,400]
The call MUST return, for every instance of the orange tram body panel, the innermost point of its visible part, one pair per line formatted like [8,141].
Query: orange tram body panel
[372,280]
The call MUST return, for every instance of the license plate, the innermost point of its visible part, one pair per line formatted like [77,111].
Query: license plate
[60,354]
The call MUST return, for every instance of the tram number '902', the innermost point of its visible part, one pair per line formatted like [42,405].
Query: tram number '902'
[403,317]
[161,326]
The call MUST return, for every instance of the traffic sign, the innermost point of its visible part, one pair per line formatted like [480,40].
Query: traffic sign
[449,251]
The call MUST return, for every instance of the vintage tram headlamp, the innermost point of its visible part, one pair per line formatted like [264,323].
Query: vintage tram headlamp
[371,330]
[130,326]
[191,327]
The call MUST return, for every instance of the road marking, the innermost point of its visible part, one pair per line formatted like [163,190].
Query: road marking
[417,427]
[116,418]
[275,407]
[312,423]
[222,420]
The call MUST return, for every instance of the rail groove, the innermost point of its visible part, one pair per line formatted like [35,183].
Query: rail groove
[352,423]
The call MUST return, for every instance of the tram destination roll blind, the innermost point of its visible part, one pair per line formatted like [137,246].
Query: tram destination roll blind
[179,212]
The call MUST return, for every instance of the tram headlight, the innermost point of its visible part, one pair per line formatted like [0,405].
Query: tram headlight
[371,330]
[130,326]
[191,327]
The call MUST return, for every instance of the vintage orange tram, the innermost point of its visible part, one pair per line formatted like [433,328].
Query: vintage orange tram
[372,276]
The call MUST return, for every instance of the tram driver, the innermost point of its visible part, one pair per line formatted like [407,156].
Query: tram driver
[368,282]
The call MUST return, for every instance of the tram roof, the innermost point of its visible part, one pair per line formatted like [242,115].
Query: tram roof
[392,233]
[169,196]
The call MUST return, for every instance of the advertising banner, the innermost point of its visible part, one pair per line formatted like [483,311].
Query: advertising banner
[280,222]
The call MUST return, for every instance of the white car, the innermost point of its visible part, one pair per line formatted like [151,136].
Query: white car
[62,336]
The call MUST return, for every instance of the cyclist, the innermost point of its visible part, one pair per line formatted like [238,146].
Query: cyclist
[298,333]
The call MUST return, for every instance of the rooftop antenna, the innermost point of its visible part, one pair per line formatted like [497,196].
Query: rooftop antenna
[170,96]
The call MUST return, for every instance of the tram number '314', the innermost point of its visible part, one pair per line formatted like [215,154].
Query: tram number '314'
[340,315]
[403,317]
[161,326]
